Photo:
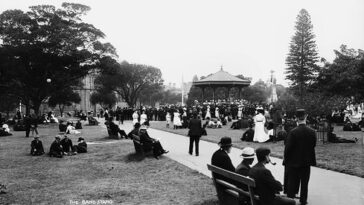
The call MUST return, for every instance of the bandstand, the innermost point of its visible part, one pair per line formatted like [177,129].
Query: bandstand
[221,79]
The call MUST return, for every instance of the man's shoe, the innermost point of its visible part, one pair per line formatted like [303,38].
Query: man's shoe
[157,157]
[165,151]
[196,155]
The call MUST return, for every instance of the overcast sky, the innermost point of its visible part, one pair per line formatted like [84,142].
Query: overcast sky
[188,37]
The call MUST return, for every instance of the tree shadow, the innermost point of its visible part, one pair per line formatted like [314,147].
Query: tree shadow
[134,157]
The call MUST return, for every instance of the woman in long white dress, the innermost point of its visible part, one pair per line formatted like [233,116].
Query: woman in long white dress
[217,113]
[176,119]
[208,114]
[135,117]
[143,118]
[259,133]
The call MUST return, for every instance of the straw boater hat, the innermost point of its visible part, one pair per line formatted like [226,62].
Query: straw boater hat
[248,153]
[225,142]
[143,127]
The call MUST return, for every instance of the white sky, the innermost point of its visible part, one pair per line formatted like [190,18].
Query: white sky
[188,37]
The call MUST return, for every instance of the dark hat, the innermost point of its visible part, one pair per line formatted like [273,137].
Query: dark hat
[262,152]
[80,138]
[301,114]
[225,142]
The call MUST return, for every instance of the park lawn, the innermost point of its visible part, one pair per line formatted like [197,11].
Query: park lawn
[342,157]
[109,171]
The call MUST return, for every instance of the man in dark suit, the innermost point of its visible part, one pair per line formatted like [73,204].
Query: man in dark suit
[266,186]
[195,132]
[221,158]
[36,147]
[299,156]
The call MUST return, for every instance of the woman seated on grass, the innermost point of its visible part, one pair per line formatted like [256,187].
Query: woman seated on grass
[151,143]
[4,130]
[71,130]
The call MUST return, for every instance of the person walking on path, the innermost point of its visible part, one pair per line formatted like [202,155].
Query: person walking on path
[195,131]
[299,156]
[221,158]
[266,186]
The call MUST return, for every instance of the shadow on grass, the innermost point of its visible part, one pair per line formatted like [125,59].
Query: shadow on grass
[134,157]
[208,202]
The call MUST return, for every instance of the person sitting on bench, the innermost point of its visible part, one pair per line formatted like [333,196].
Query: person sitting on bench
[135,131]
[116,130]
[81,147]
[221,159]
[266,186]
[243,168]
[151,143]
[36,147]
[56,148]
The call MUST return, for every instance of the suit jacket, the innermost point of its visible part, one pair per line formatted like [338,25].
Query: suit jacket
[221,159]
[195,127]
[243,169]
[300,147]
[36,145]
[266,186]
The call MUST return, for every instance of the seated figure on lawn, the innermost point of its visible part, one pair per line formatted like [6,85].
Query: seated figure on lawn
[5,130]
[36,147]
[56,148]
[334,139]
[81,147]
[67,146]
[151,143]
[71,130]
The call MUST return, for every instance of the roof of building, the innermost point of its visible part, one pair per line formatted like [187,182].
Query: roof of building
[222,78]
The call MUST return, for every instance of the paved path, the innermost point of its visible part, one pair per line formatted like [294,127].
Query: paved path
[325,187]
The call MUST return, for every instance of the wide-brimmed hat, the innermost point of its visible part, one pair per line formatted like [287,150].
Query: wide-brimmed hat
[225,142]
[58,137]
[248,153]
[80,139]
[36,136]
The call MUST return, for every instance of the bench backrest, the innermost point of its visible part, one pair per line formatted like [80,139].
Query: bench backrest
[237,178]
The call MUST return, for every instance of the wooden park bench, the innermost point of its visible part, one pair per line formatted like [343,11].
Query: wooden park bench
[139,147]
[228,193]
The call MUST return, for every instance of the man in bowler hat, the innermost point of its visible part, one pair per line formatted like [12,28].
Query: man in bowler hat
[299,156]
[221,158]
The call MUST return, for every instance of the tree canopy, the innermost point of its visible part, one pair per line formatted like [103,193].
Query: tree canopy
[47,43]
[129,80]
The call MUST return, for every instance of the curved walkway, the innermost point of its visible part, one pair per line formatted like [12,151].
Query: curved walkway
[325,187]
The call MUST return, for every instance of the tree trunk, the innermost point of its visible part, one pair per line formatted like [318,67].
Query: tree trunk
[61,108]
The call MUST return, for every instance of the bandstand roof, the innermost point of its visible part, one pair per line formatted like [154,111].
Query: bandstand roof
[222,78]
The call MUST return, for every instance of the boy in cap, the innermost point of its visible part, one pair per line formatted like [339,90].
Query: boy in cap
[36,147]
[266,186]
[299,156]
[56,148]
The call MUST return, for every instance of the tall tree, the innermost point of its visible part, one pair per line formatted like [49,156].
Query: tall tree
[302,57]
[64,98]
[128,80]
[47,50]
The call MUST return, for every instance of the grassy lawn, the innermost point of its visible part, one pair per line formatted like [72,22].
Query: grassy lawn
[343,157]
[109,171]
